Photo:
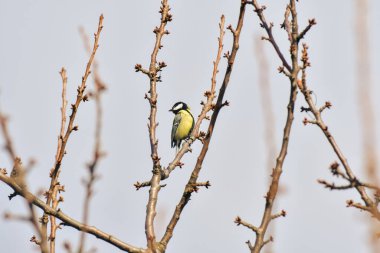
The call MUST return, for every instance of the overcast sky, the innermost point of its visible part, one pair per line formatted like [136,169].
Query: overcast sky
[40,37]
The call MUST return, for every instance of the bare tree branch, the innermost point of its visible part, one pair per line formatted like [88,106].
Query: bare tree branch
[295,37]
[154,77]
[266,103]
[57,188]
[51,195]
[268,28]
[349,174]
[292,29]
[189,188]
[367,113]
[268,118]
[100,87]
[239,222]
[67,220]
[18,176]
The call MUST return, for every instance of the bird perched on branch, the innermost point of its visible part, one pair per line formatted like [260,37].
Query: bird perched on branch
[183,124]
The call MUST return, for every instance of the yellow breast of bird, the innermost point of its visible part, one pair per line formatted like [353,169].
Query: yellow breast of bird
[184,126]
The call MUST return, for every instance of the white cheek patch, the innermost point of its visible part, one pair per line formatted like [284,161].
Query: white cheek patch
[177,107]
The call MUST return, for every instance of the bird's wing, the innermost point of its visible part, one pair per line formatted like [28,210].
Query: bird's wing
[176,121]
[192,126]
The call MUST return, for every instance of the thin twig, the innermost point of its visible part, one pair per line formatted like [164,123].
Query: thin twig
[54,197]
[332,186]
[268,28]
[286,24]
[248,225]
[97,152]
[308,27]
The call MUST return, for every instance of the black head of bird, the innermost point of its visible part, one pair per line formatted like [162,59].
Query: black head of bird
[179,106]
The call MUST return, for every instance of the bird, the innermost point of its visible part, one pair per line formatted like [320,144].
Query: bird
[183,124]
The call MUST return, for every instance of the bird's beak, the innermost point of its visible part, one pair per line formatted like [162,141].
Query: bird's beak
[171,110]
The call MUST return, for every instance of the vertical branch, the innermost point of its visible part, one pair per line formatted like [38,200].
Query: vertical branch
[277,171]
[266,105]
[364,89]
[192,183]
[154,77]
[97,152]
[366,108]
[292,73]
[55,188]
[156,177]
[55,200]
[63,74]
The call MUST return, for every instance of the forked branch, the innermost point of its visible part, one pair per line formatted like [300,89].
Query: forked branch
[51,194]
[154,77]
[291,71]
[371,205]
[189,188]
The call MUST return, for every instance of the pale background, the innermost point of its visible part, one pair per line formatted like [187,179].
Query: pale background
[39,37]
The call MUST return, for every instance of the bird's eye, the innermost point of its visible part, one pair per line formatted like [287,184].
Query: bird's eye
[178,107]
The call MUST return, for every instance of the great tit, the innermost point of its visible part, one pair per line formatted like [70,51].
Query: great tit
[183,124]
